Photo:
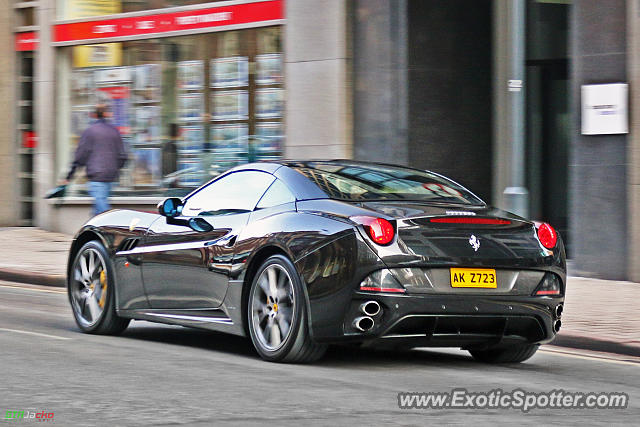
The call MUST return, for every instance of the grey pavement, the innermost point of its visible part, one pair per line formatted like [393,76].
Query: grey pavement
[599,314]
[163,375]
[602,310]
[32,255]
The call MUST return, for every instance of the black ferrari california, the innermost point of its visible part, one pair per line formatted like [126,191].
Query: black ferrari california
[298,255]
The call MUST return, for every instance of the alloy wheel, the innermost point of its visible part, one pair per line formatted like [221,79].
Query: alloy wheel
[89,287]
[272,307]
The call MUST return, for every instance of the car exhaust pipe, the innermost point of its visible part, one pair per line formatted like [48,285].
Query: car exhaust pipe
[556,326]
[370,308]
[559,310]
[363,323]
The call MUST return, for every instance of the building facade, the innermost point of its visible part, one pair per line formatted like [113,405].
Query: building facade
[488,92]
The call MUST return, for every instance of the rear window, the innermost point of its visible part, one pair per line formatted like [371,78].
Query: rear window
[356,182]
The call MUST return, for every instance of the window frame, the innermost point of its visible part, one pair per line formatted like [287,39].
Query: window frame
[186,199]
[293,196]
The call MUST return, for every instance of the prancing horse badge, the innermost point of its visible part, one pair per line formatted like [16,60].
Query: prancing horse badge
[474,242]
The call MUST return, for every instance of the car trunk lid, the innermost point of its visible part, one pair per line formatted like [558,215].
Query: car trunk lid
[462,234]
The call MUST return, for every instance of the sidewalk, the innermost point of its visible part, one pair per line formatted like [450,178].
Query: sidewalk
[599,314]
[32,255]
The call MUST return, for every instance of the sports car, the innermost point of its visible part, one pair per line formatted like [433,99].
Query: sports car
[298,255]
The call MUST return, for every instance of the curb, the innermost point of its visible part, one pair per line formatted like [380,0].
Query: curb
[32,278]
[595,344]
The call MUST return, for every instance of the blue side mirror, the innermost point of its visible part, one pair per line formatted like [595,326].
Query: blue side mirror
[171,207]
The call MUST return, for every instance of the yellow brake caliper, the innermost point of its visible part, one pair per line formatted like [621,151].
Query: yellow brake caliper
[103,284]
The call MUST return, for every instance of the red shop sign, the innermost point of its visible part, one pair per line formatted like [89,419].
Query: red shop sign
[116,92]
[29,139]
[159,23]
[26,41]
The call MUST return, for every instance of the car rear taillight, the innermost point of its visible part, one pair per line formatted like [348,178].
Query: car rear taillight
[381,281]
[550,286]
[379,230]
[547,235]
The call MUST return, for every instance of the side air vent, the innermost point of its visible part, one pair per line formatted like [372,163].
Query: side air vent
[128,245]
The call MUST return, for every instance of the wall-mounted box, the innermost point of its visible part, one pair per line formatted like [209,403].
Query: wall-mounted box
[605,109]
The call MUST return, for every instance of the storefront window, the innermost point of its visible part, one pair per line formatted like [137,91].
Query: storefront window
[188,108]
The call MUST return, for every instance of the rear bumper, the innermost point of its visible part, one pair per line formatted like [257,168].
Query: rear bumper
[453,320]
[427,316]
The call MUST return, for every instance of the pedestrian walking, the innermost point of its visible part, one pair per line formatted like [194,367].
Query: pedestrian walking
[101,152]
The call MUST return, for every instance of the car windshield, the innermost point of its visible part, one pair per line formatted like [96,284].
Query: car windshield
[360,182]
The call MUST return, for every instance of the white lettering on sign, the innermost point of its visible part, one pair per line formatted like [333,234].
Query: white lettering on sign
[515,85]
[101,29]
[199,19]
[145,25]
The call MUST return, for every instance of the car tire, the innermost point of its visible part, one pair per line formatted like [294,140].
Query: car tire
[91,291]
[514,354]
[277,315]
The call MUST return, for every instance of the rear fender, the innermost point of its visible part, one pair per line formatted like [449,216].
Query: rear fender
[329,255]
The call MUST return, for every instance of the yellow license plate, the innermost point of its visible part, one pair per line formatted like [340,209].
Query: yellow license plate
[473,278]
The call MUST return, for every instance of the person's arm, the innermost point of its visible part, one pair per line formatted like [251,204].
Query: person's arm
[82,154]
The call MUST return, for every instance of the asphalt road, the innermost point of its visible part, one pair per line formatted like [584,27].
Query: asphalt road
[162,375]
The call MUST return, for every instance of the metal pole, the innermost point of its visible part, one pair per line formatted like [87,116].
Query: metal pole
[516,196]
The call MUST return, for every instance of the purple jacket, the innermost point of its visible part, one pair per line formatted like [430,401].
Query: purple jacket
[101,151]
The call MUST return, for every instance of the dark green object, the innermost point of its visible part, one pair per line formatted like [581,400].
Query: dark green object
[56,192]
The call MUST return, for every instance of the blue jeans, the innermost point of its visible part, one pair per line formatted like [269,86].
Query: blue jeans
[100,193]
